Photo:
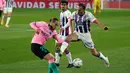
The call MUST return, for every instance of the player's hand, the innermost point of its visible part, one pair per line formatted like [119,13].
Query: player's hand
[105,28]
[38,31]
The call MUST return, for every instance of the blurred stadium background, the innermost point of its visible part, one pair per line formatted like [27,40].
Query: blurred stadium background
[106,4]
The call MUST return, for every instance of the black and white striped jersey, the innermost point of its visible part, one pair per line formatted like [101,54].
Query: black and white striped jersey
[64,16]
[82,23]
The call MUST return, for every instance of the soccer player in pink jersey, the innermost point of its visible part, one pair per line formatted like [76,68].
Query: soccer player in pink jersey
[45,31]
[2,5]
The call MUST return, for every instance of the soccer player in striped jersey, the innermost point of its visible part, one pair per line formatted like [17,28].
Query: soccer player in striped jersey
[2,5]
[7,12]
[82,21]
[64,32]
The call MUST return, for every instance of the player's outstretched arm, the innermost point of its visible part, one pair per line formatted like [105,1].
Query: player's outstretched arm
[101,25]
[95,20]
[35,27]
[71,26]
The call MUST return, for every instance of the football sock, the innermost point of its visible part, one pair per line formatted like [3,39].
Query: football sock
[69,57]
[101,56]
[63,47]
[52,67]
[57,57]
[2,20]
[8,20]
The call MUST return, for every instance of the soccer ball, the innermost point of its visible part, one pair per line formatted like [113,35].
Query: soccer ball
[77,62]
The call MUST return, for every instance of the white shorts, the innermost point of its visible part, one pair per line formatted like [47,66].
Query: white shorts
[86,39]
[8,10]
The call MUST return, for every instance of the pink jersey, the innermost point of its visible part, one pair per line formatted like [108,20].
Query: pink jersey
[44,34]
[2,4]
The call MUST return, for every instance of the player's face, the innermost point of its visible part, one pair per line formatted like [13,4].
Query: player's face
[81,11]
[54,25]
[64,6]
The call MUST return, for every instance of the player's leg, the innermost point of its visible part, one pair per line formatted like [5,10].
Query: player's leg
[69,57]
[43,53]
[101,56]
[88,42]
[69,38]
[95,6]
[52,68]
[1,13]
[68,54]
[8,17]
[57,54]
[99,7]
[4,16]
[72,37]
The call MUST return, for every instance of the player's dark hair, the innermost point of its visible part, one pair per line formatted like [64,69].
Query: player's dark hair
[82,5]
[64,1]
[53,19]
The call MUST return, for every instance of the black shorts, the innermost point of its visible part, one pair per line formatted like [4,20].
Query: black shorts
[39,50]
[1,13]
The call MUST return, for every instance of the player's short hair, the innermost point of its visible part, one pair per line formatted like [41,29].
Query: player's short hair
[53,19]
[82,5]
[64,1]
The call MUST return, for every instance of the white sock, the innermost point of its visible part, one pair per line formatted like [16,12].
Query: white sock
[102,56]
[63,47]
[57,58]
[8,20]
[69,57]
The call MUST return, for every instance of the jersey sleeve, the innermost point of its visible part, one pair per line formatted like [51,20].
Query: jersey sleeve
[56,37]
[91,17]
[69,15]
[72,16]
[38,25]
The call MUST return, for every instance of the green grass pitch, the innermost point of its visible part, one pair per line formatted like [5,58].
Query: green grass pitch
[16,56]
